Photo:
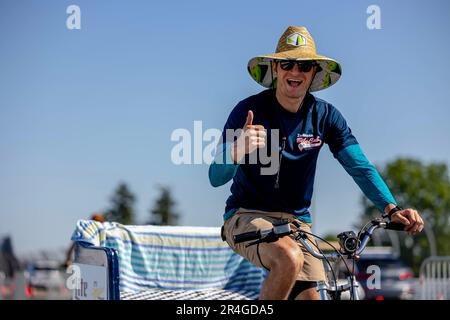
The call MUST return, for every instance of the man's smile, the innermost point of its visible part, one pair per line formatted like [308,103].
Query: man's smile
[294,82]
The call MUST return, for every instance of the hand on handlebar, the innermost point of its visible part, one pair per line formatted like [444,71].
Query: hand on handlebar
[411,219]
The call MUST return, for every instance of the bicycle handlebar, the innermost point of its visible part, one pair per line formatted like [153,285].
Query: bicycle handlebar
[247,236]
[395,226]
[270,235]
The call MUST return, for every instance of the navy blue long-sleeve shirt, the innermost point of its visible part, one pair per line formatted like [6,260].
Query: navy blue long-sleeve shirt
[317,122]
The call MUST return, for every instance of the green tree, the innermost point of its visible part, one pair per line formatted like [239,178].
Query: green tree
[163,210]
[122,205]
[425,188]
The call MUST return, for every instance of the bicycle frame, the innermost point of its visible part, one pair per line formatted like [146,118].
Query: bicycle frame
[324,288]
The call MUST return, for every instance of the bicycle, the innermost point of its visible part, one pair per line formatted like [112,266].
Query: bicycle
[351,246]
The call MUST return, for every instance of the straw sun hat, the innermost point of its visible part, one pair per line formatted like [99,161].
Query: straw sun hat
[295,44]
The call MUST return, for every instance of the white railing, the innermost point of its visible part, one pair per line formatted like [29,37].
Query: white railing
[434,282]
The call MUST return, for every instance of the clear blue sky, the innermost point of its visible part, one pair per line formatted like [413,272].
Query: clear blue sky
[82,110]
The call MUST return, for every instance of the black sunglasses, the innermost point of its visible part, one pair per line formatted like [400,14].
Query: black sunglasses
[303,66]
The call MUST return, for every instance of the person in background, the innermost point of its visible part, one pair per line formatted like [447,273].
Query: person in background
[70,252]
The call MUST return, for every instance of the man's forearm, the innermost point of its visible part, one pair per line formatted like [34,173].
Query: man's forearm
[367,177]
[223,168]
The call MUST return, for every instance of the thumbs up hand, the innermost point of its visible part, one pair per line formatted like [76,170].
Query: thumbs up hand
[252,138]
[249,120]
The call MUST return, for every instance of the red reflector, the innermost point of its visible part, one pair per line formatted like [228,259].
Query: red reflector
[379,298]
[406,275]
[28,291]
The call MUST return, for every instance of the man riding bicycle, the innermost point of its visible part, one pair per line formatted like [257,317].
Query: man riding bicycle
[303,123]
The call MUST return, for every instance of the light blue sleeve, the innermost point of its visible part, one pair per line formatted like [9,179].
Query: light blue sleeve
[222,169]
[366,176]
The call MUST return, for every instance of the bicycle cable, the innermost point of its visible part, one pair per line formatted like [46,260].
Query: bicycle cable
[333,247]
[353,255]
[331,268]
[337,251]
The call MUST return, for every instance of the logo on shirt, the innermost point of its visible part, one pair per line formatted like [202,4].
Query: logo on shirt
[307,141]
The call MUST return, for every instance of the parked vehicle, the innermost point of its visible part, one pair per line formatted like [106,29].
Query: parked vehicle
[396,279]
[43,279]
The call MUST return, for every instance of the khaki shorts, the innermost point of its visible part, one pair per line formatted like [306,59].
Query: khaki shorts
[245,220]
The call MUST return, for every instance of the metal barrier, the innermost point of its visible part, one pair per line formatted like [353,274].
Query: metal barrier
[435,278]
[2,280]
